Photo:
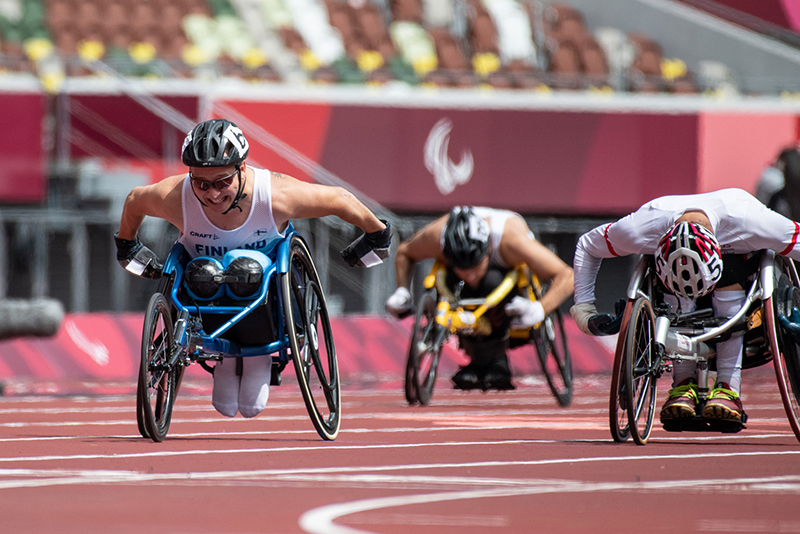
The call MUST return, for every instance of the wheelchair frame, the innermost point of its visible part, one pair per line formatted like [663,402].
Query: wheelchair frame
[173,338]
[440,313]
[651,339]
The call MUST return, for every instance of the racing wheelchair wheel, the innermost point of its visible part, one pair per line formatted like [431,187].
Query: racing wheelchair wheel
[155,394]
[550,341]
[640,362]
[618,402]
[311,340]
[424,352]
[785,350]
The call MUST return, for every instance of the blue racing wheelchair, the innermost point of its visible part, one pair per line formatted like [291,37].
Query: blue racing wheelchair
[285,315]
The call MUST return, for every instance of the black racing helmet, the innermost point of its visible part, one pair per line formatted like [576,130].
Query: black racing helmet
[465,238]
[214,143]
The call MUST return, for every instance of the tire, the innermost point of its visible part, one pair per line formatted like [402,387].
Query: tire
[423,352]
[786,352]
[618,398]
[640,365]
[156,388]
[550,341]
[311,340]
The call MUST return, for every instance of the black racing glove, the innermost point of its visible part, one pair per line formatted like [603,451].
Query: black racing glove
[604,324]
[369,249]
[137,258]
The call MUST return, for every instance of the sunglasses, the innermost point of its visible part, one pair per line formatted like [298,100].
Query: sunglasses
[219,184]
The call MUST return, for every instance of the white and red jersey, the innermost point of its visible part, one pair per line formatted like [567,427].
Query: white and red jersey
[740,222]
[202,238]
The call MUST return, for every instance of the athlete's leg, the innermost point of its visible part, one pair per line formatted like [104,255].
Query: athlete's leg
[254,389]
[682,371]
[225,395]
[729,353]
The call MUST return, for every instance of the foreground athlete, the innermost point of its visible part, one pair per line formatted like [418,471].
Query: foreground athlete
[223,204]
[703,244]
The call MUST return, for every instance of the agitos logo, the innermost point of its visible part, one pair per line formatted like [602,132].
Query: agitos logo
[446,173]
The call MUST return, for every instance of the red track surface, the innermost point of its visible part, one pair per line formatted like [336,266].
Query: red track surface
[510,462]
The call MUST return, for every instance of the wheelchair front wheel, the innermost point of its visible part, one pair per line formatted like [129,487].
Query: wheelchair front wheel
[786,352]
[550,341]
[640,365]
[618,399]
[155,395]
[311,341]
[423,353]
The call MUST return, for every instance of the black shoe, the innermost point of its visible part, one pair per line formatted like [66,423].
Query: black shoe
[497,377]
[466,378]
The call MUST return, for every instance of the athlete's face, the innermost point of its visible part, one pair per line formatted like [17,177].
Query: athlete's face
[473,275]
[216,187]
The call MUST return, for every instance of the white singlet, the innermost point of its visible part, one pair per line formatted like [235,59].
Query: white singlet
[202,238]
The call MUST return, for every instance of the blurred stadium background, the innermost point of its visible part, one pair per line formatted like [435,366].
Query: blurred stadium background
[570,113]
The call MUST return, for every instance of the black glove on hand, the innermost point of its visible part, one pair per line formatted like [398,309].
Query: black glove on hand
[137,258]
[604,324]
[369,249]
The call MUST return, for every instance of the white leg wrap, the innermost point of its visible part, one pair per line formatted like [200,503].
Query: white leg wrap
[681,370]
[225,396]
[729,353]
[254,390]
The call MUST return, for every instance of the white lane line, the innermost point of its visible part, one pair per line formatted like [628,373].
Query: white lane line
[321,520]
[361,447]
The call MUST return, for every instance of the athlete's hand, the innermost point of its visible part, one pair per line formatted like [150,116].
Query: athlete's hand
[399,305]
[137,258]
[370,248]
[524,312]
[597,324]
[582,313]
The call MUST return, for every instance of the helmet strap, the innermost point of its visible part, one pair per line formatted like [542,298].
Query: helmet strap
[240,194]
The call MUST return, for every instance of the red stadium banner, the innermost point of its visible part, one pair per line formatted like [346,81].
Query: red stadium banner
[22,174]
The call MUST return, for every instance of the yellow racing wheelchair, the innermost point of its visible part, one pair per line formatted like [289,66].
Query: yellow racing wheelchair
[441,312]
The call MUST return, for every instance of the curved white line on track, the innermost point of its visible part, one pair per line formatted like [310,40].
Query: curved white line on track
[321,520]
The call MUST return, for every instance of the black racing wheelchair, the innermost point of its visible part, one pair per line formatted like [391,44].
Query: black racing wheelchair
[440,313]
[288,309]
[651,338]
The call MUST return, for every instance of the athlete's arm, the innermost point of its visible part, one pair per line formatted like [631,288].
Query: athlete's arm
[295,199]
[517,247]
[162,200]
[423,245]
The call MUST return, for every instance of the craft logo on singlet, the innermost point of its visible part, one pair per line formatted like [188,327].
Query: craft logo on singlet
[446,173]
[203,236]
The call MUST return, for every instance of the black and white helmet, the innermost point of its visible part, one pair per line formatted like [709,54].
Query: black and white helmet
[214,143]
[465,239]
[688,260]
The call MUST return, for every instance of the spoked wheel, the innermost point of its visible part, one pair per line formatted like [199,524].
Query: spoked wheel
[550,341]
[424,352]
[155,396]
[618,400]
[640,367]
[786,352]
[311,341]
